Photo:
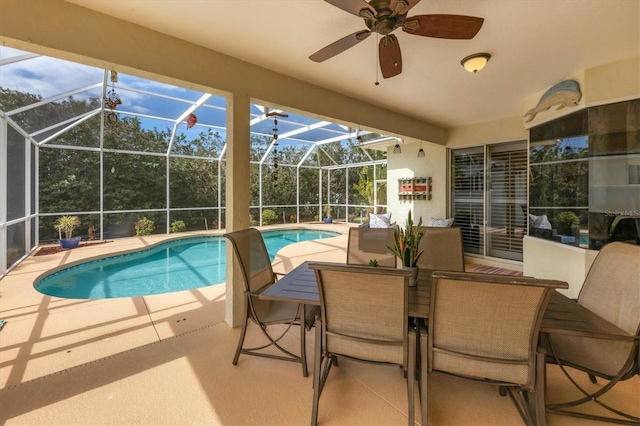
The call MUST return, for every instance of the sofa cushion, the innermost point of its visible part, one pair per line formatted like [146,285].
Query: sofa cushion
[441,223]
[541,222]
[379,220]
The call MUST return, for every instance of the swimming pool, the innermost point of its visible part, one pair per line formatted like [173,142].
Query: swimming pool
[176,265]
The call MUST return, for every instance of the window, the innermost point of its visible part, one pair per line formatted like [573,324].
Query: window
[583,183]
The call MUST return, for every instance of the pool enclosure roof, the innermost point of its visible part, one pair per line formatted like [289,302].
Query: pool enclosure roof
[161,106]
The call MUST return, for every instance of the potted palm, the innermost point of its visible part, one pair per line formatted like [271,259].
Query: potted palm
[406,247]
[327,214]
[66,225]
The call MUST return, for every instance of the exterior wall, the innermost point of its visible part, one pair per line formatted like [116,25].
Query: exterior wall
[497,131]
[613,82]
[407,164]
[547,259]
[600,85]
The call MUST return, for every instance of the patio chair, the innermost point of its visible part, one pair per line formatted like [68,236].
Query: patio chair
[443,250]
[485,328]
[364,318]
[257,273]
[612,291]
[366,244]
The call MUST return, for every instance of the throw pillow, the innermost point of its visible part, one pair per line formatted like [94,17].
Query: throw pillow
[541,222]
[379,220]
[441,223]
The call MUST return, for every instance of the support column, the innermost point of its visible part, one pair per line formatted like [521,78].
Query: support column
[237,198]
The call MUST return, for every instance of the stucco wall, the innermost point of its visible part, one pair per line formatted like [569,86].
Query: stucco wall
[547,259]
[407,164]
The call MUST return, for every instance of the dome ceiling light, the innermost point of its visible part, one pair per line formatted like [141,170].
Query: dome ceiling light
[477,61]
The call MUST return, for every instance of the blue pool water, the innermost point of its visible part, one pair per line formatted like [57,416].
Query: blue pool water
[172,266]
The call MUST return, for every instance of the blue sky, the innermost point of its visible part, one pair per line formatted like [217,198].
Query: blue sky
[51,77]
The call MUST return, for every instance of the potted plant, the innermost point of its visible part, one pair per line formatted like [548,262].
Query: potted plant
[406,246]
[327,213]
[568,222]
[66,225]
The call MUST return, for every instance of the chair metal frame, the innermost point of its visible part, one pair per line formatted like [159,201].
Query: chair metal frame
[287,313]
[527,395]
[626,257]
[342,331]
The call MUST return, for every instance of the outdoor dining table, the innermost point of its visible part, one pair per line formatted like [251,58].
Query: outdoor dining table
[300,286]
[562,316]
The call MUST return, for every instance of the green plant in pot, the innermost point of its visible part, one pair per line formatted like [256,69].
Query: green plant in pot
[406,246]
[327,214]
[567,222]
[66,225]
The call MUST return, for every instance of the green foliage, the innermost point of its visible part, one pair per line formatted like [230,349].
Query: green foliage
[144,227]
[70,179]
[373,262]
[268,216]
[406,242]
[177,226]
[66,225]
[364,186]
[559,176]
[567,221]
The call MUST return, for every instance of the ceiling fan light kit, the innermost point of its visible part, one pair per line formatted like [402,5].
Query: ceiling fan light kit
[474,63]
[385,16]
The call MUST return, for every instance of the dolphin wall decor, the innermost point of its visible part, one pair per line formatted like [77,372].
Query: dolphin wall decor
[566,93]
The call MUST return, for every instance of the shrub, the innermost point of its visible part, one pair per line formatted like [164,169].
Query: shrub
[177,226]
[268,216]
[144,227]
[567,221]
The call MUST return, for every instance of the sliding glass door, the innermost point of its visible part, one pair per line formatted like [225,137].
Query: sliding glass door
[489,198]
[506,200]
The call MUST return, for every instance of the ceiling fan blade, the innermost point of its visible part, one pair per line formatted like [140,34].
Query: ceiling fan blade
[339,46]
[390,56]
[443,26]
[400,7]
[355,7]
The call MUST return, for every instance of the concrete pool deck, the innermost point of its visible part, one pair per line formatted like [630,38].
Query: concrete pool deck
[166,359]
[46,334]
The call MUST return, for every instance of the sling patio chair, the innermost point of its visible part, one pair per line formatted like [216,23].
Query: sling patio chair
[257,273]
[612,291]
[367,244]
[485,328]
[443,249]
[364,318]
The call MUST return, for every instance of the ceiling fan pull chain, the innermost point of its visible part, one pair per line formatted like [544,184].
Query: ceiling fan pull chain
[377,59]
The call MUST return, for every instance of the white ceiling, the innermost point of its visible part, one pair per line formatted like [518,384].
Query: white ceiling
[534,44]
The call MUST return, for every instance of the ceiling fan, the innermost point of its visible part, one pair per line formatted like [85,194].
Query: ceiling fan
[385,16]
